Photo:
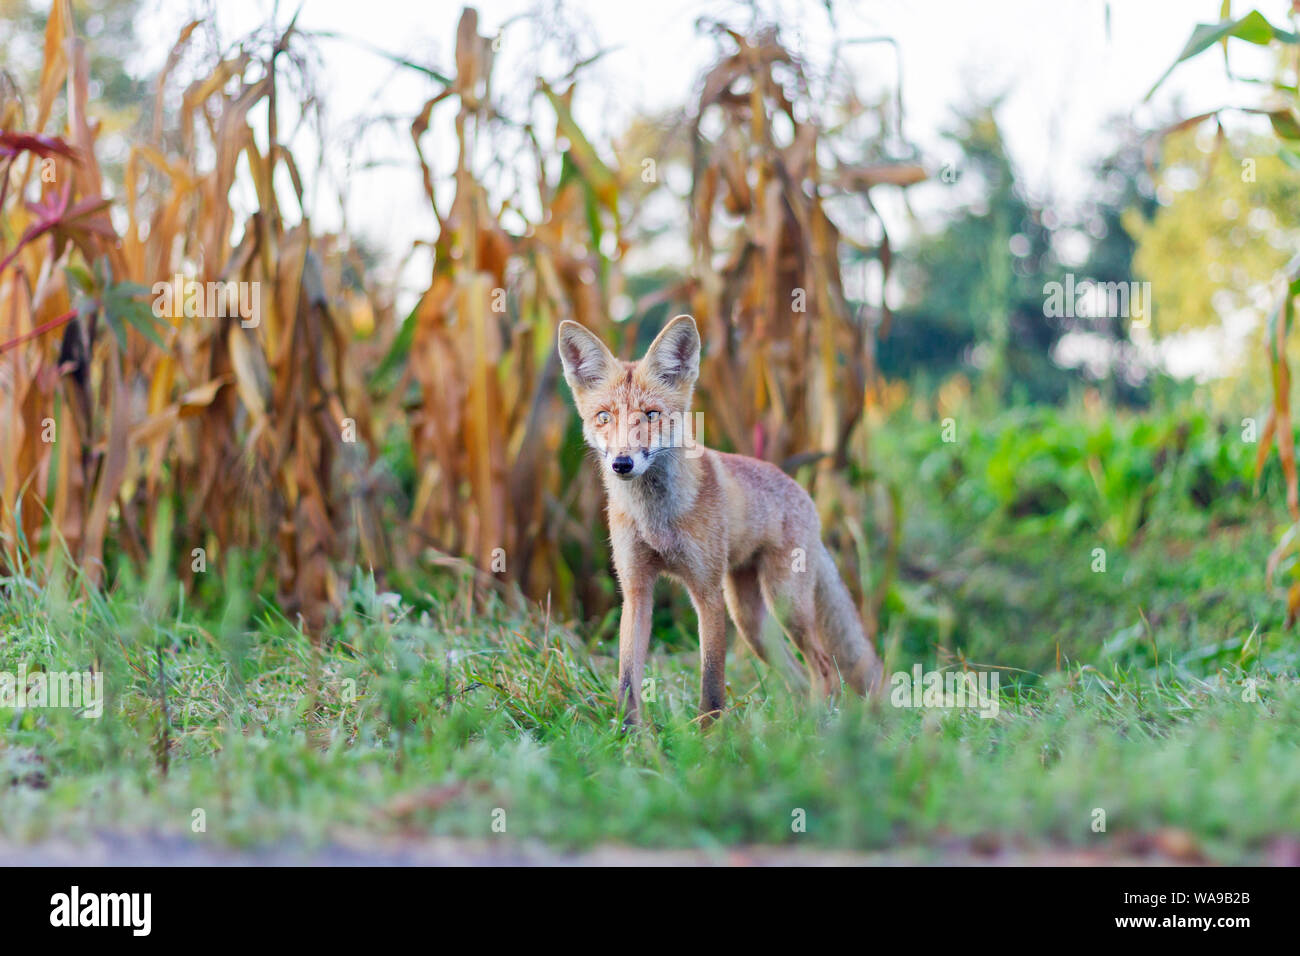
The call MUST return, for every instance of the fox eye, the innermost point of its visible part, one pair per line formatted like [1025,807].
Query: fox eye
[652,415]
[603,418]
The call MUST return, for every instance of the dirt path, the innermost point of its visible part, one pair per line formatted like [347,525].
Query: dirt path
[161,850]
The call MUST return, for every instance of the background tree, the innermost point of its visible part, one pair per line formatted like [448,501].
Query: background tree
[1214,246]
[977,280]
[1122,200]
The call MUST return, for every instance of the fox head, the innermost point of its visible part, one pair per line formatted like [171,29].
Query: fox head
[633,412]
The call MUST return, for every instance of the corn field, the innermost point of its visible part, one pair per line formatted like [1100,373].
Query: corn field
[258,422]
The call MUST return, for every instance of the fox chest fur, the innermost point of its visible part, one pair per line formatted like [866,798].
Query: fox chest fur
[687,518]
[648,521]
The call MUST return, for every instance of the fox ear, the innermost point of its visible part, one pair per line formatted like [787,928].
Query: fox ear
[586,360]
[674,355]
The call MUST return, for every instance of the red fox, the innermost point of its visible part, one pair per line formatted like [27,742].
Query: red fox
[739,533]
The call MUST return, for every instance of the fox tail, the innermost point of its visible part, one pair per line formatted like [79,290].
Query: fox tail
[841,632]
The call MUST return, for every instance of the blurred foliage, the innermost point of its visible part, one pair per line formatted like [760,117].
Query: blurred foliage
[1122,200]
[1279,101]
[1107,474]
[107,30]
[108,27]
[1042,534]
[975,284]
[1214,247]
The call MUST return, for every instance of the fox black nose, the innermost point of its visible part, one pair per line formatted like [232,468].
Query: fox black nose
[622,464]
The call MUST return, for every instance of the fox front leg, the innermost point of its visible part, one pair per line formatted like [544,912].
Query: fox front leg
[633,645]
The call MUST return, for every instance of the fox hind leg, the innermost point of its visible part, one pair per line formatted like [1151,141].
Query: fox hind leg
[745,604]
[744,595]
[790,596]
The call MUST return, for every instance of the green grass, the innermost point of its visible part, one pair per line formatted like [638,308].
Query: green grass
[479,707]
[1126,691]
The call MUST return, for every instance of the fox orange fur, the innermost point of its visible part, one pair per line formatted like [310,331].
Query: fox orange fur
[737,532]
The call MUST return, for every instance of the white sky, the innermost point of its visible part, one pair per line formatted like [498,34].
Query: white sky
[1065,73]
